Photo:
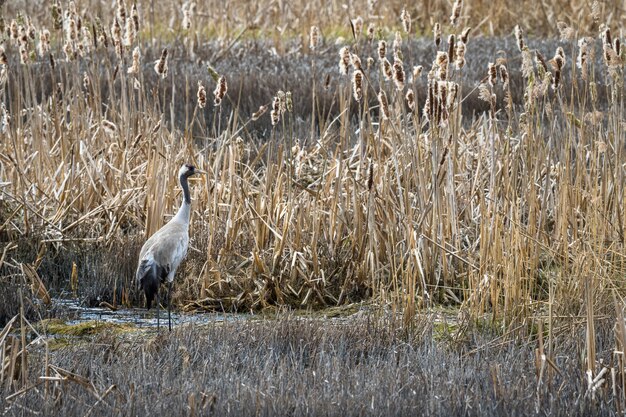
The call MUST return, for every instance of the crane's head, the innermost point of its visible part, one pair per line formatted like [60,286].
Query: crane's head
[188,170]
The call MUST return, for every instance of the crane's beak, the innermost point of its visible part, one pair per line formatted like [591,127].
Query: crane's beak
[199,171]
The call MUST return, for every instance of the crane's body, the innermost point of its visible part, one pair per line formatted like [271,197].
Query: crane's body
[163,252]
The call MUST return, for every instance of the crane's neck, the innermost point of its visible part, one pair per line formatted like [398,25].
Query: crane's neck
[185,207]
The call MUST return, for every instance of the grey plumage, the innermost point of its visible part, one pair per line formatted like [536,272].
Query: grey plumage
[163,252]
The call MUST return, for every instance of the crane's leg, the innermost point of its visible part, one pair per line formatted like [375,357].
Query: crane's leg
[169,301]
[158,308]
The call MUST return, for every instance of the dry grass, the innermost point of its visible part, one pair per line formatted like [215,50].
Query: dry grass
[515,209]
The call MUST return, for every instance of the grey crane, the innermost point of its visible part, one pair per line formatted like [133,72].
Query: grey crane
[163,252]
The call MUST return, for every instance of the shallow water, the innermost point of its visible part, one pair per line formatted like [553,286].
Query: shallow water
[139,317]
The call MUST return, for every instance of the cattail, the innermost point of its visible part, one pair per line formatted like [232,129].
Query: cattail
[410,99]
[465,34]
[44,42]
[405,17]
[3,57]
[456,11]
[558,62]
[567,33]
[617,46]
[460,54]
[386,68]
[262,109]
[72,33]
[288,101]
[275,113]
[134,69]
[370,62]
[519,37]
[371,31]
[382,49]
[68,50]
[57,16]
[134,15]
[398,74]
[121,11]
[220,91]
[442,65]
[397,45]
[14,30]
[357,84]
[282,101]
[492,73]
[437,34]
[417,71]
[541,61]
[161,64]
[24,56]
[130,34]
[504,76]
[358,26]
[384,105]
[344,60]
[201,95]
[116,34]
[356,61]
[314,38]
[451,41]
[556,79]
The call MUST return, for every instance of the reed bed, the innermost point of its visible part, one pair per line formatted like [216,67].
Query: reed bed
[401,189]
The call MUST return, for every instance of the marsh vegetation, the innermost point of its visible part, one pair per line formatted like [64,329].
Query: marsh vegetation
[466,156]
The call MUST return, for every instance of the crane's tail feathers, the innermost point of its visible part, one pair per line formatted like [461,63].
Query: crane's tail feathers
[148,280]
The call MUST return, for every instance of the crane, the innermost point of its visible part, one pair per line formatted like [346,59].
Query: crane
[163,252]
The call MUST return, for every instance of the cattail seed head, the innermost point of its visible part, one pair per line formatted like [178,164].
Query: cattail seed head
[314,38]
[437,34]
[405,18]
[357,84]
[382,49]
[116,34]
[492,74]
[398,74]
[384,105]
[13,29]
[356,61]
[3,57]
[57,16]
[201,95]
[451,42]
[129,34]
[387,69]
[44,42]
[442,65]
[134,15]
[121,11]
[581,61]
[465,35]
[556,80]
[519,37]
[161,64]
[541,62]
[344,60]
[410,100]
[504,76]
[186,25]
[417,72]
[606,36]
[134,69]
[358,26]
[460,54]
[275,113]
[262,110]
[397,45]
[220,91]
[456,11]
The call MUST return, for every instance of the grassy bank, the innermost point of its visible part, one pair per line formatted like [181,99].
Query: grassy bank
[351,367]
